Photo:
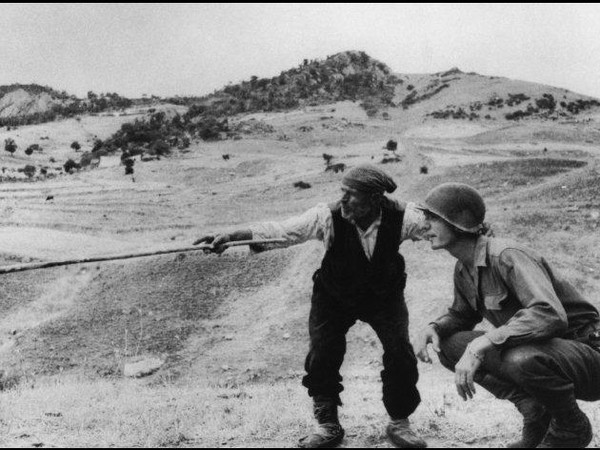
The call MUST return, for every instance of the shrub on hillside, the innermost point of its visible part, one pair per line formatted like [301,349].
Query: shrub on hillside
[159,148]
[89,159]
[546,102]
[71,165]
[128,163]
[391,145]
[10,146]
[430,91]
[33,148]
[29,170]
[516,99]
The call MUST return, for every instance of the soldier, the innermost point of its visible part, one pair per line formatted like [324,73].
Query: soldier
[361,277]
[543,353]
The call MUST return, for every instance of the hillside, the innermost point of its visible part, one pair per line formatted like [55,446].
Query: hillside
[226,335]
[22,104]
[469,96]
[351,75]
[354,75]
[402,99]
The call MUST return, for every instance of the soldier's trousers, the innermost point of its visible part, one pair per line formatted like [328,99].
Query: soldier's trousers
[329,321]
[554,372]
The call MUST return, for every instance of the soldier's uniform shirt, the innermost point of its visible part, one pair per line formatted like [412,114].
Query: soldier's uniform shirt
[518,292]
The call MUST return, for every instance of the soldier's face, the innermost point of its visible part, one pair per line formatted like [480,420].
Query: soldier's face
[355,204]
[440,233]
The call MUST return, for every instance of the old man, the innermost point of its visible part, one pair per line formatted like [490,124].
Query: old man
[362,277]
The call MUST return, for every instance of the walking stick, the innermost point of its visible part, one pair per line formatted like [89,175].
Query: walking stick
[206,247]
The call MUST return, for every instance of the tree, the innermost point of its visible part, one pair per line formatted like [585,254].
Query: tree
[10,146]
[29,151]
[128,166]
[391,145]
[29,170]
[75,146]
[70,165]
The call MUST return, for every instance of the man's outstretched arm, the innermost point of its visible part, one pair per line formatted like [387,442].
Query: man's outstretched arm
[218,239]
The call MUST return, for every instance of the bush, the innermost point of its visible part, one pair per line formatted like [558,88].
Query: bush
[159,148]
[29,170]
[10,146]
[129,163]
[391,145]
[33,148]
[86,159]
[70,165]
[546,102]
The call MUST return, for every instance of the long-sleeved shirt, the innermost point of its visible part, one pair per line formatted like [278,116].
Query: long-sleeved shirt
[317,223]
[517,291]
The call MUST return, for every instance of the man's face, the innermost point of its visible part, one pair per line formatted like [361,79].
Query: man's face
[440,233]
[355,204]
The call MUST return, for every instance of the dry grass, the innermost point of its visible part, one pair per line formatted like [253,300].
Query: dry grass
[68,412]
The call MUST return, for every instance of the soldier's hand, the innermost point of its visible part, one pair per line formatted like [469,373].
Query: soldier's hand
[469,363]
[429,336]
[464,372]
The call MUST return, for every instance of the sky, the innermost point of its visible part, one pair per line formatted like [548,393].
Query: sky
[192,49]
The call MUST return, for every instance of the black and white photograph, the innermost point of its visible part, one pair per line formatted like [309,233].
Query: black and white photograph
[300,225]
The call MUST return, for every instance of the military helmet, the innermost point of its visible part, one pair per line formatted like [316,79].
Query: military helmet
[458,204]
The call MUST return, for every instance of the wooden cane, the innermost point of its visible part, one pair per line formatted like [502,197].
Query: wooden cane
[205,247]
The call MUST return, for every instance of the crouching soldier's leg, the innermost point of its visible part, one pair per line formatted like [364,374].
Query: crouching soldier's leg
[327,328]
[536,418]
[399,375]
[556,373]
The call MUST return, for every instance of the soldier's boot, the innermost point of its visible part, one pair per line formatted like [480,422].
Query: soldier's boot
[329,433]
[536,420]
[401,435]
[535,417]
[569,428]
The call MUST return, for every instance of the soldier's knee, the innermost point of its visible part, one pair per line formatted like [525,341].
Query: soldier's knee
[452,348]
[521,361]
[447,355]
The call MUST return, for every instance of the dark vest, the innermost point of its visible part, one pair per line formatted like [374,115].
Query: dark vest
[347,274]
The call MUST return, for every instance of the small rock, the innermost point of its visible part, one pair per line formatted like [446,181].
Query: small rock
[142,368]
[286,336]
[229,337]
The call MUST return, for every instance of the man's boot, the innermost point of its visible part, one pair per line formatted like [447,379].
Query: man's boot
[536,420]
[402,435]
[569,428]
[535,417]
[329,432]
